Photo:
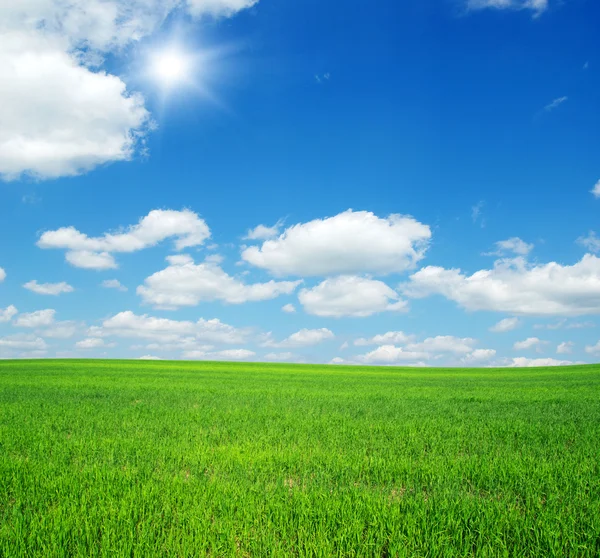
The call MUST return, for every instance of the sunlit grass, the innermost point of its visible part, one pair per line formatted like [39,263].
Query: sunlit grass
[139,458]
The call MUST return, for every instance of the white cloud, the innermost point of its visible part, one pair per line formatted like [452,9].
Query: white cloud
[2,275]
[555,103]
[23,342]
[227,354]
[185,226]
[53,289]
[8,313]
[513,245]
[113,284]
[350,296]
[218,8]
[527,362]
[565,347]
[261,232]
[302,338]
[593,349]
[529,343]
[149,357]
[61,330]
[507,324]
[163,331]
[596,190]
[536,6]
[185,284]
[90,343]
[590,242]
[350,242]
[516,287]
[40,318]
[390,354]
[289,308]
[337,360]
[563,323]
[479,355]
[443,344]
[279,356]
[389,338]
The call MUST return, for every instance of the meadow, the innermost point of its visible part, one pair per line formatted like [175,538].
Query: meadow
[164,458]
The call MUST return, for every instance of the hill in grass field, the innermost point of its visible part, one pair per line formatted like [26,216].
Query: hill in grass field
[163,458]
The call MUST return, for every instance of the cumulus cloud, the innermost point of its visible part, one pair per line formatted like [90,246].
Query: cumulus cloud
[389,338]
[593,349]
[479,355]
[302,338]
[516,287]
[351,242]
[529,343]
[163,331]
[279,356]
[39,318]
[2,275]
[289,308]
[185,226]
[25,342]
[507,324]
[528,362]
[596,190]
[261,232]
[565,347]
[444,344]
[90,343]
[53,289]
[113,284]
[8,313]
[350,296]
[61,330]
[61,114]
[227,354]
[184,283]
[149,357]
[390,354]
[536,6]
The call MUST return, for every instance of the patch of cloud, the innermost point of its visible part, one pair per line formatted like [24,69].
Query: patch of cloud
[350,242]
[479,355]
[113,284]
[302,338]
[227,354]
[536,6]
[351,296]
[564,324]
[262,232]
[2,275]
[476,213]
[512,245]
[529,343]
[279,357]
[90,343]
[507,324]
[163,331]
[390,354]
[149,357]
[23,342]
[40,318]
[590,242]
[593,349]
[565,347]
[596,190]
[184,283]
[53,289]
[185,226]
[61,330]
[555,103]
[289,308]
[521,362]
[443,344]
[389,338]
[517,287]
[8,313]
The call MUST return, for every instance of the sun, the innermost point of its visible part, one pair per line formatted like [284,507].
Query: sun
[171,67]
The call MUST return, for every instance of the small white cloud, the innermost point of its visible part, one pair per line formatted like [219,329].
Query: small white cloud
[556,103]
[61,330]
[476,213]
[2,275]
[479,355]
[389,338]
[596,190]
[337,360]
[53,289]
[344,345]
[390,354]
[289,308]
[261,232]
[444,344]
[590,242]
[507,324]
[227,354]
[25,342]
[513,245]
[8,313]
[90,343]
[302,338]
[593,349]
[149,357]
[113,284]
[565,347]
[536,6]
[519,362]
[279,356]
[350,296]
[529,343]
[39,318]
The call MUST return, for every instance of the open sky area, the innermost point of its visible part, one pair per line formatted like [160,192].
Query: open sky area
[393,183]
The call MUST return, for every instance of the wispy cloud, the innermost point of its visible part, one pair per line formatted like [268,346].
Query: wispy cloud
[536,6]
[556,103]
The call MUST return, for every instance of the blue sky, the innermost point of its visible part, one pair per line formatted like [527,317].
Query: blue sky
[407,183]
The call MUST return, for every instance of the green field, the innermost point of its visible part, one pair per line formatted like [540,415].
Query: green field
[138,458]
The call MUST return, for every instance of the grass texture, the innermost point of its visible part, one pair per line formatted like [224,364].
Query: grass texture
[156,458]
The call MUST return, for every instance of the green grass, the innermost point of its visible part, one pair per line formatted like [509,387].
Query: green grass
[136,458]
